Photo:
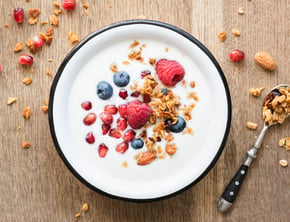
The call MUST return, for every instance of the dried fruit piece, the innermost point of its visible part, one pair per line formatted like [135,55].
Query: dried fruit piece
[26,144]
[252,125]
[18,47]
[144,158]
[69,4]
[102,150]
[90,119]
[11,100]
[222,36]
[236,55]
[25,59]
[283,163]
[26,112]
[18,14]
[122,147]
[27,81]
[265,60]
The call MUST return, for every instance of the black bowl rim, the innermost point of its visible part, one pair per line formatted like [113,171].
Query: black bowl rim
[134,22]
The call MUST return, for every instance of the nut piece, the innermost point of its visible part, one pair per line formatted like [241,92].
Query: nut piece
[256,91]
[241,11]
[285,142]
[85,207]
[11,100]
[222,36]
[236,32]
[27,81]
[18,47]
[26,144]
[283,163]
[170,149]
[144,158]
[265,60]
[252,125]
[54,20]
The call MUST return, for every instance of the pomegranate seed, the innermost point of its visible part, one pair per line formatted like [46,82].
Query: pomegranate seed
[236,55]
[145,73]
[115,133]
[135,94]
[123,110]
[69,4]
[18,15]
[103,149]
[112,109]
[90,138]
[90,119]
[129,135]
[105,129]
[121,124]
[37,41]
[106,118]
[123,93]
[86,105]
[122,147]
[146,98]
[158,139]
[25,59]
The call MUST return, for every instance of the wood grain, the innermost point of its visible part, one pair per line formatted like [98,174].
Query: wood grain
[35,185]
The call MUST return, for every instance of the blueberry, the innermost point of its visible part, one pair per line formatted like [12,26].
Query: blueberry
[178,126]
[164,91]
[137,143]
[121,79]
[104,90]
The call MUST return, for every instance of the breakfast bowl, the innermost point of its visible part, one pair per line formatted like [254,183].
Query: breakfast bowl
[177,110]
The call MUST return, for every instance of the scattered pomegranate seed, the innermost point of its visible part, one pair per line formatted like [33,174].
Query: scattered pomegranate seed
[123,110]
[129,135]
[112,109]
[146,98]
[90,119]
[106,118]
[69,4]
[105,129]
[18,15]
[90,138]
[123,93]
[236,55]
[37,41]
[115,133]
[122,147]
[135,94]
[25,59]
[121,124]
[145,73]
[86,105]
[103,149]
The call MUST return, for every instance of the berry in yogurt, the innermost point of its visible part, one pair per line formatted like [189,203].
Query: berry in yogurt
[137,143]
[104,90]
[121,79]
[138,113]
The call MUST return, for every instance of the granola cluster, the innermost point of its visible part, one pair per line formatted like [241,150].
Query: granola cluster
[277,106]
[285,142]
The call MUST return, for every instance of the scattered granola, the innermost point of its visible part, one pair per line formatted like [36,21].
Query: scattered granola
[33,15]
[283,163]
[152,61]
[113,68]
[6,25]
[26,144]
[54,20]
[77,215]
[134,44]
[57,11]
[11,100]
[30,45]
[48,72]
[27,81]
[241,11]
[56,4]
[18,47]
[26,112]
[85,207]
[44,22]
[50,60]
[256,91]
[222,36]
[141,17]
[285,142]
[170,149]
[252,125]
[45,109]
[73,37]
[125,164]
[236,32]
[86,6]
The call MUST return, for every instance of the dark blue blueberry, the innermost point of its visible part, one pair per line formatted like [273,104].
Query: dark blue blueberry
[104,90]
[121,79]
[164,91]
[137,143]
[178,126]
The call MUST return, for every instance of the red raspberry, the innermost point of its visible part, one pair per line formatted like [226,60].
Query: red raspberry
[169,72]
[138,113]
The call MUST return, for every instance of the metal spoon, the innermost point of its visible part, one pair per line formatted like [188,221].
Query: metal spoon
[231,191]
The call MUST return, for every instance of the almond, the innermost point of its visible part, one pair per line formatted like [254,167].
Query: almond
[265,60]
[144,158]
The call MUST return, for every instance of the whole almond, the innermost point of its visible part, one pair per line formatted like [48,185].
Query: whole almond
[265,60]
[144,158]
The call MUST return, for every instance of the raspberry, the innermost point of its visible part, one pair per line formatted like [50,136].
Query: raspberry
[138,113]
[169,72]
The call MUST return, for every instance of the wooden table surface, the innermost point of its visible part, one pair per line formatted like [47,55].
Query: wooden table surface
[35,184]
